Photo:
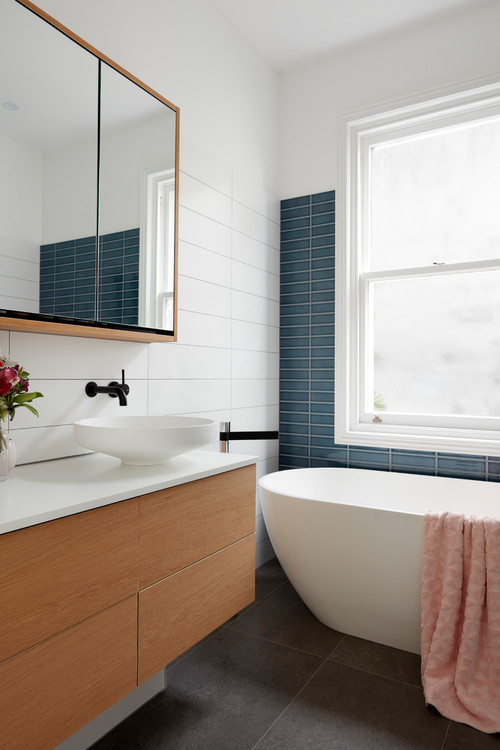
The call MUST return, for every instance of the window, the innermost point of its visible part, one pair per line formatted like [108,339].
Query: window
[157,258]
[418,277]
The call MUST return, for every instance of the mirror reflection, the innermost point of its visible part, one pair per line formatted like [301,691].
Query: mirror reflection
[47,109]
[136,205]
[87,184]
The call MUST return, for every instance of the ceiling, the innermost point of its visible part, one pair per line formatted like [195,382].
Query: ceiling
[291,32]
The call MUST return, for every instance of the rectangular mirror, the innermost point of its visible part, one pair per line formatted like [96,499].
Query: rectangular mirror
[88,180]
[136,205]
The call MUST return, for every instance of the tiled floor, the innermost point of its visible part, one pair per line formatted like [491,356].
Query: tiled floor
[274,678]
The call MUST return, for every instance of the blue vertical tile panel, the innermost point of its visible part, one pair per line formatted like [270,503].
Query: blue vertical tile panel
[119,277]
[307,330]
[68,278]
[307,358]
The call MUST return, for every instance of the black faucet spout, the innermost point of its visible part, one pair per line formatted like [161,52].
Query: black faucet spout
[116,389]
[113,389]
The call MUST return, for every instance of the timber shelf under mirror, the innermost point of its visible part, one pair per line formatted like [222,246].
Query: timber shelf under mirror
[95,603]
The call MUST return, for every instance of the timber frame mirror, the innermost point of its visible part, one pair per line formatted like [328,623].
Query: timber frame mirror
[89,176]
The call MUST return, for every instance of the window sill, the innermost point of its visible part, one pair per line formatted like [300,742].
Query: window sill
[461,442]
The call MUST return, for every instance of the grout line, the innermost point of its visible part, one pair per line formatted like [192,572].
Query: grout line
[259,213]
[277,643]
[289,704]
[325,660]
[200,212]
[446,735]
[377,674]
[336,647]
[256,239]
[259,268]
[310,334]
[256,602]
[227,317]
[229,257]
[207,184]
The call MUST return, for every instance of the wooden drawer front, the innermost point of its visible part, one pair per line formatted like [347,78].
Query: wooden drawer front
[176,613]
[184,524]
[55,574]
[51,690]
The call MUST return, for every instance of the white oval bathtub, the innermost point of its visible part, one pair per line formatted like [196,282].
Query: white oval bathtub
[350,541]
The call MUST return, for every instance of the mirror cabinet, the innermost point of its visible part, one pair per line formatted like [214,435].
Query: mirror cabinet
[88,188]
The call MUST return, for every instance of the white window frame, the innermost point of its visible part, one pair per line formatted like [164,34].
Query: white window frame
[359,133]
[157,248]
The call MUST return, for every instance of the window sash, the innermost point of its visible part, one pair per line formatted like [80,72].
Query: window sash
[446,269]
[423,432]
[366,350]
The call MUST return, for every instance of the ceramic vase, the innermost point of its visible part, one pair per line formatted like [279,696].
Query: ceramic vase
[7,456]
[4,456]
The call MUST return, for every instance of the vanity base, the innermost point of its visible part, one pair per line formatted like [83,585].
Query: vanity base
[109,719]
[97,603]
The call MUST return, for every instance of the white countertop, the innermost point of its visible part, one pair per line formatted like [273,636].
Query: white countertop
[40,492]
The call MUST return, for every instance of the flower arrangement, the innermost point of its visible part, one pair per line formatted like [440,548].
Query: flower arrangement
[14,385]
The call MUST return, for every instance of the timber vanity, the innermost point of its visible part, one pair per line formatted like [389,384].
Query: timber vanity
[107,573]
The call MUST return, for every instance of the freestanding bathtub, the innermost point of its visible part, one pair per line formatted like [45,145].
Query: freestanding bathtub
[350,542]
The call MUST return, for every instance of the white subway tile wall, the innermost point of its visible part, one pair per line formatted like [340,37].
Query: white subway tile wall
[199,264]
[19,283]
[225,364]
[263,256]
[201,230]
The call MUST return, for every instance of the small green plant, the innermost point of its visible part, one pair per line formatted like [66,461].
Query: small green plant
[378,402]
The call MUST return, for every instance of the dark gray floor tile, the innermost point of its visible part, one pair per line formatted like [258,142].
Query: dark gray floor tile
[346,709]
[223,696]
[196,646]
[462,737]
[282,617]
[381,660]
[268,577]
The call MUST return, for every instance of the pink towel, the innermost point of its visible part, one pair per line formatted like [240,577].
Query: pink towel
[461,618]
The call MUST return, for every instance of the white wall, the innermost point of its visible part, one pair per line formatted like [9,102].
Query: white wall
[225,363]
[69,203]
[20,224]
[312,98]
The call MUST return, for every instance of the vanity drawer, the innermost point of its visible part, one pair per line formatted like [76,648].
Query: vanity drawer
[51,690]
[177,612]
[57,573]
[183,524]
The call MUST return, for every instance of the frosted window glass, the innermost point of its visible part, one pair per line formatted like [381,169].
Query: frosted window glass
[441,352]
[436,198]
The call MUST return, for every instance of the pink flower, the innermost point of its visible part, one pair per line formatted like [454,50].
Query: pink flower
[8,379]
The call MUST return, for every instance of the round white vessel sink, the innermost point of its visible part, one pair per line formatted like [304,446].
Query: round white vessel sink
[144,441]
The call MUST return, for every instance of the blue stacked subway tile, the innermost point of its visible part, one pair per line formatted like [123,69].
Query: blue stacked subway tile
[68,278]
[307,318]
[307,358]
[84,291]
[119,277]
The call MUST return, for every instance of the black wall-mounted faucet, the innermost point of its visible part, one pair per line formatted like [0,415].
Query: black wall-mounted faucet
[113,389]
